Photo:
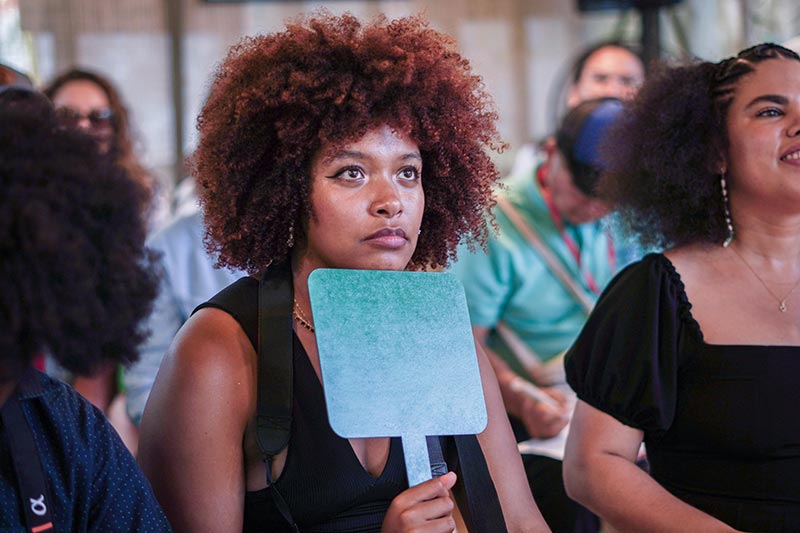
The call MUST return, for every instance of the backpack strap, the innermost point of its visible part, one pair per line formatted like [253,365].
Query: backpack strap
[31,480]
[266,319]
[483,513]
[275,365]
[436,456]
[275,373]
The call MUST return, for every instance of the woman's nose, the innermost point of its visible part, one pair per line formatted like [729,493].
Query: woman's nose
[84,124]
[387,202]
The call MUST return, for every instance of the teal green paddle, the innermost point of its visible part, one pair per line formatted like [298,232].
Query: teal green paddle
[397,357]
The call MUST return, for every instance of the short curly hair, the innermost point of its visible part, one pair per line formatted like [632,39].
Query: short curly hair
[664,156]
[76,278]
[278,98]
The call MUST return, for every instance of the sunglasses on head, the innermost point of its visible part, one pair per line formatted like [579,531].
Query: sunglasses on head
[97,117]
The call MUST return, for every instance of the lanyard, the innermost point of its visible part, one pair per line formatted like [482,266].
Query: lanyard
[569,241]
[31,480]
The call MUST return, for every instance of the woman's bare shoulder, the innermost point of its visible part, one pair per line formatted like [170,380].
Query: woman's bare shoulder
[212,358]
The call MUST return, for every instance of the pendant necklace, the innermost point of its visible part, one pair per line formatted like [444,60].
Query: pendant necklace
[781,301]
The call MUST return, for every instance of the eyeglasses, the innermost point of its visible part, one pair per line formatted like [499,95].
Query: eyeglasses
[98,118]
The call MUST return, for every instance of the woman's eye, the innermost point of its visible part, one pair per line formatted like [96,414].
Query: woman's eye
[770,112]
[409,173]
[350,174]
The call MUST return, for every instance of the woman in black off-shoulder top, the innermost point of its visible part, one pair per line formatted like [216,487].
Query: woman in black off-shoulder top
[696,351]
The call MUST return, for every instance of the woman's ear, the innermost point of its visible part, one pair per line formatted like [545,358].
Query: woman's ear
[718,165]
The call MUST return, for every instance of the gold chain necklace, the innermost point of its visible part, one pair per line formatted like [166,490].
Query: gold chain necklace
[301,317]
[781,301]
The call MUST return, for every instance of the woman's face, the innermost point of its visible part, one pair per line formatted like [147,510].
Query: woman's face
[764,135]
[367,201]
[611,71]
[85,105]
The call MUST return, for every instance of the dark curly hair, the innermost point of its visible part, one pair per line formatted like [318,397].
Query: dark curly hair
[122,142]
[664,156]
[580,62]
[76,277]
[278,98]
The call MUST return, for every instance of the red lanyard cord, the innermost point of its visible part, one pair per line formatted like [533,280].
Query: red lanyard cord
[569,241]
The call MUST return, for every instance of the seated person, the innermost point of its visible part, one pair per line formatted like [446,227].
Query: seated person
[331,144]
[696,351]
[537,296]
[77,282]
[608,69]
[188,278]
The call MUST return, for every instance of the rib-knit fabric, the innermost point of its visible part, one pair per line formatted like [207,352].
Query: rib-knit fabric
[323,483]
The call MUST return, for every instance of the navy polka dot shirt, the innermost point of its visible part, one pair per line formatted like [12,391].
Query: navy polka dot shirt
[94,482]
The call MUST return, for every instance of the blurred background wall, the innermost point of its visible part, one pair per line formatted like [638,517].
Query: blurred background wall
[161,53]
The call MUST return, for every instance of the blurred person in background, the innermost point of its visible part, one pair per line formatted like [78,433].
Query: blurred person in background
[11,76]
[91,103]
[530,292]
[77,281]
[189,278]
[607,69]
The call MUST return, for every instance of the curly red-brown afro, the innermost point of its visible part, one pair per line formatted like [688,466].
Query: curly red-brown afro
[326,79]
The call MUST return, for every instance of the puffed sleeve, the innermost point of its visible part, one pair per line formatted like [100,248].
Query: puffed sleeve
[625,360]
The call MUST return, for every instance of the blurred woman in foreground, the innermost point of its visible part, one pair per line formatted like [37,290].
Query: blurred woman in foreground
[76,283]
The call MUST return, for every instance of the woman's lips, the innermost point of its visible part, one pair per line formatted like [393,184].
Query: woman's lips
[792,155]
[391,238]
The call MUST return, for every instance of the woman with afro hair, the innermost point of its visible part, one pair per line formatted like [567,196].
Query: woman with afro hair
[332,144]
[90,102]
[696,351]
[77,281]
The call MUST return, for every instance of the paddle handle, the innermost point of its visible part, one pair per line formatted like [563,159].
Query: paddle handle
[418,463]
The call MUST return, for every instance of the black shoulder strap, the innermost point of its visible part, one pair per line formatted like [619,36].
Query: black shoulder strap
[275,367]
[30,476]
[275,373]
[436,457]
[484,512]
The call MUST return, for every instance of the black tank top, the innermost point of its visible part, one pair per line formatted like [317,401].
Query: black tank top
[323,483]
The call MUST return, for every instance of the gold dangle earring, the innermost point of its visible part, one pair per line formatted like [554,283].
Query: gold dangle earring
[726,206]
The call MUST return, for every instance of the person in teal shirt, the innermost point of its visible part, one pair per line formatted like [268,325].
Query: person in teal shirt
[528,301]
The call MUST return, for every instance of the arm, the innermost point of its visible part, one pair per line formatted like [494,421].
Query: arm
[120,496]
[194,423]
[541,420]
[503,459]
[163,323]
[600,472]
